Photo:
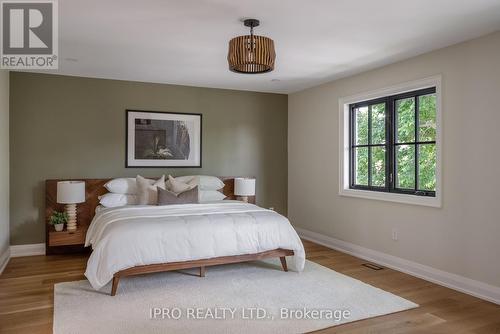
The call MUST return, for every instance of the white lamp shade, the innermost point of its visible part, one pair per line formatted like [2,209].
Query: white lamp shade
[70,192]
[244,187]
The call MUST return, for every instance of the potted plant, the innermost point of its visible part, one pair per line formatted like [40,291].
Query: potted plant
[58,219]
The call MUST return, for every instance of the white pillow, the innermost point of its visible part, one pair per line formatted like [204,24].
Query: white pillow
[124,185]
[178,187]
[147,193]
[210,196]
[203,182]
[111,200]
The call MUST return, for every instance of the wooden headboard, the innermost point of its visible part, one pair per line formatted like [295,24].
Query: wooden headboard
[86,211]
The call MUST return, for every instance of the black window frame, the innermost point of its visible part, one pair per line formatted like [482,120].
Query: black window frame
[390,143]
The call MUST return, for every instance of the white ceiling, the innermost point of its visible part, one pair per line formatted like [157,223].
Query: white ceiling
[185,41]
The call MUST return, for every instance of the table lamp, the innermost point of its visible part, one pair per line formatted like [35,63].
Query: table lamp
[243,188]
[71,193]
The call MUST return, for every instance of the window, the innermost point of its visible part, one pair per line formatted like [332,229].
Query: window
[392,143]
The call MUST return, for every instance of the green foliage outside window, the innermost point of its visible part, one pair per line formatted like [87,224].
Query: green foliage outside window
[406,143]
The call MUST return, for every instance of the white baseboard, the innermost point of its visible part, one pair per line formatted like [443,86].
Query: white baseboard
[27,250]
[4,259]
[453,281]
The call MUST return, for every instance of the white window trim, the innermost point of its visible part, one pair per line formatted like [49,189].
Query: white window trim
[344,190]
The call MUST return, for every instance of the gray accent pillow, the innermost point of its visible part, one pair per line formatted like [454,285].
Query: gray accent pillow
[146,192]
[166,197]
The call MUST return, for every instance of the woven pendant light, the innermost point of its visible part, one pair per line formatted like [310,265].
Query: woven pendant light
[251,54]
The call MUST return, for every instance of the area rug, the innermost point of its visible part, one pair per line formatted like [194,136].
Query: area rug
[254,297]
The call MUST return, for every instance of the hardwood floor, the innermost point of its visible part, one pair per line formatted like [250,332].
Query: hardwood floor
[26,297]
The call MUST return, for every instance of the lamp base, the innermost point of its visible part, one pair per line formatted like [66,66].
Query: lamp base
[242,198]
[71,212]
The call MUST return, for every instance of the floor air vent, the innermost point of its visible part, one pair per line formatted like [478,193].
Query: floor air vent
[372,266]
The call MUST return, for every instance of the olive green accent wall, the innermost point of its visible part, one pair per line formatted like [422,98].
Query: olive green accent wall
[4,167]
[73,127]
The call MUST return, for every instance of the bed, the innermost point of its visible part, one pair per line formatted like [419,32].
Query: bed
[141,239]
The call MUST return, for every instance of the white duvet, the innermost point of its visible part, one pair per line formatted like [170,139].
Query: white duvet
[130,236]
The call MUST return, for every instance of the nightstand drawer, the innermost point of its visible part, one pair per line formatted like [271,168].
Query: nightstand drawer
[65,238]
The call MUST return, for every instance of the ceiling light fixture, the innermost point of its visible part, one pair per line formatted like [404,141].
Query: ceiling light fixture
[251,54]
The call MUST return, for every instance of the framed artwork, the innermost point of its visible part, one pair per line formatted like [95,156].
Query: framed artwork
[163,139]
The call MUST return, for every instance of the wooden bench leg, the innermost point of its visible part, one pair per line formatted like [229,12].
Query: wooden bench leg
[116,280]
[202,271]
[283,263]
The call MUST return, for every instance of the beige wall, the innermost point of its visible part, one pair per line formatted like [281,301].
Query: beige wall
[462,237]
[4,162]
[74,127]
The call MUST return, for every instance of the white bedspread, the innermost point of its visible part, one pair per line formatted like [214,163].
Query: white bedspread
[130,236]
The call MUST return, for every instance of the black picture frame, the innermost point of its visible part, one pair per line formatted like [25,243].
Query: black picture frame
[131,160]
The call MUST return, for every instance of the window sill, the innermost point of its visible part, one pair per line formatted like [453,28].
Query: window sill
[393,197]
